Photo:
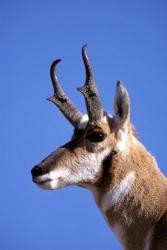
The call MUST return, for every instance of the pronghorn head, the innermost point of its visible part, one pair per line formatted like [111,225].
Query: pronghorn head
[96,138]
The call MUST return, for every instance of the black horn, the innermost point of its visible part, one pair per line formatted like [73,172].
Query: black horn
[61,100]
[90,92]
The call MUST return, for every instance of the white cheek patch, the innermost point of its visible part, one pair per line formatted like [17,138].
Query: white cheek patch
[118,193]
[121,145]
[83,170]
[83,122]
[88,166]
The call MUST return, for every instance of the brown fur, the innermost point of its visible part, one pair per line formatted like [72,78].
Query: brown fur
[144,206]
[102,165]
[159,241]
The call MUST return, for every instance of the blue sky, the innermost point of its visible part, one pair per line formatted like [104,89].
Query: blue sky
[126,40]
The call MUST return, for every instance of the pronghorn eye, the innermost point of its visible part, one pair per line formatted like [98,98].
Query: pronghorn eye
[96,136]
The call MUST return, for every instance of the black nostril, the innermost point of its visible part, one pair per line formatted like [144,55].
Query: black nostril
[36,171]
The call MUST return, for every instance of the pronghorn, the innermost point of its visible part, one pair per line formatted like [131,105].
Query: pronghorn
[105,156]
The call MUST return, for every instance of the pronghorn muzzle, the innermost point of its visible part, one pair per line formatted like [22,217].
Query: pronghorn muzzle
[39,174]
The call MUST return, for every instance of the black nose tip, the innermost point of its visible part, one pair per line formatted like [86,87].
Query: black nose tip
[36,171]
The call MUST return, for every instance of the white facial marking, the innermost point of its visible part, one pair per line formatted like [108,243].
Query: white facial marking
[51,184]
[147,241]
[41,178]
[108,114]
[88,165]
[85,170]
[52,179]
[61,172]
[118,193]
[122,140]
[104,119]
[83,122]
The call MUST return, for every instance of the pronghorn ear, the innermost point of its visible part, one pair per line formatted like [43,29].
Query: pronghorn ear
[121,105]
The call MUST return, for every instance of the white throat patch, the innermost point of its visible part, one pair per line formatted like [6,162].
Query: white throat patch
[118,193]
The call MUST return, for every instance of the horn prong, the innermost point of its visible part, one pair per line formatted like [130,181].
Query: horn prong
[90,92]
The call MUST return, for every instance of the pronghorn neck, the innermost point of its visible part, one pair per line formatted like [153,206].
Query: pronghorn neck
[127,203]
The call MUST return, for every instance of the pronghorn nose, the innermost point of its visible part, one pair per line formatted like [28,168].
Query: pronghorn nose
[37,171]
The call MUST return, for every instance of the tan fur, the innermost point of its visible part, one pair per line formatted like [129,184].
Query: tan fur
[119,163]
[144,206]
